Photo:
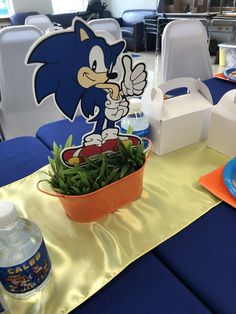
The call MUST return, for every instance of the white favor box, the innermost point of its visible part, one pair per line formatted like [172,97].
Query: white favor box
[222,131]
[178,121]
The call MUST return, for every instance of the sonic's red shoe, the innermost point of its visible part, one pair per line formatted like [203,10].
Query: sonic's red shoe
[112,145]
[74,156]
[126,138]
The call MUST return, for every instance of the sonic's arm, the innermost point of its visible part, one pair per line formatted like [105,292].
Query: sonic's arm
[114,104]
[116,109]
[92,98]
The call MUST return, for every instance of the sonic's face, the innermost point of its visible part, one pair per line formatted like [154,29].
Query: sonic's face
[101,60]
[96,72]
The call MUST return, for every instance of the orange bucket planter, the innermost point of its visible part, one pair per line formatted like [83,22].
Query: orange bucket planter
[92,206]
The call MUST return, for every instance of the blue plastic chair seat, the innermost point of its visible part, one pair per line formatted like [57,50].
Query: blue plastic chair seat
[20,157]
[59,131]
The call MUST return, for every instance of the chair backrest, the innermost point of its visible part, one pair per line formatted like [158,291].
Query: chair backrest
[131,17]
[109,25]
[19,18]
[41,21]
[108,36]
[64,19]
[20,115]
[185,51]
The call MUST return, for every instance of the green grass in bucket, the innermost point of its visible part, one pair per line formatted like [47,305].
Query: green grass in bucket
[95,174]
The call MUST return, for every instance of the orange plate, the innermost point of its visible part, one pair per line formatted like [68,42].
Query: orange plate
[222,77]
[214,183]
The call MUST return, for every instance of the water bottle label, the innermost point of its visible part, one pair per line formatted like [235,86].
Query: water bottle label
[29,275]
[141,133]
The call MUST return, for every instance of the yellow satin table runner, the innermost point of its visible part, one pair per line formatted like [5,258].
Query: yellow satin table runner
[85,257]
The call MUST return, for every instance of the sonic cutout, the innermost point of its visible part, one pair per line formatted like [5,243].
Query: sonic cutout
[76,66]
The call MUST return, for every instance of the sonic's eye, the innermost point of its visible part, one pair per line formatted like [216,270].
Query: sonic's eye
[94,65]
[96,60]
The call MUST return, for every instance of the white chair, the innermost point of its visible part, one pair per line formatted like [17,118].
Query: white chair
[109,25]
[110,39]
[185,51]
[19,114]
[41,21]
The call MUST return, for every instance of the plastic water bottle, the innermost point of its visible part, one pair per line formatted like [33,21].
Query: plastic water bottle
[24,262]
[3,308]
[135,122]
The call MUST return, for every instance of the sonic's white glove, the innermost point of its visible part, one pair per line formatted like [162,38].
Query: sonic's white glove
[135,79]
[116,109]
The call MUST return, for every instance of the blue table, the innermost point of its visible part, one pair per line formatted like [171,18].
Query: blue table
[141,288]
[203,256]
[193,272]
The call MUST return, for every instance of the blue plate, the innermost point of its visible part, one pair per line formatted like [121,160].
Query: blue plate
[229,176]
[227,73]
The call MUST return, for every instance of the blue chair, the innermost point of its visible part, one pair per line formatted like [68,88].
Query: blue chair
[59,131]
[19,18]
[20,157]
[63,19]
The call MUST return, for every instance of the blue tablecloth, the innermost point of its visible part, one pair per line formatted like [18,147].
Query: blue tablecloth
[203,257]
[145,287]
[218,88]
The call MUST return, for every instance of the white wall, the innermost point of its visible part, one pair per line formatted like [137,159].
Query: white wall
[41,6]
[117,7]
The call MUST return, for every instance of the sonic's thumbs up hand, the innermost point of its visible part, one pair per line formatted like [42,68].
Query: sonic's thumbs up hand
[135,78]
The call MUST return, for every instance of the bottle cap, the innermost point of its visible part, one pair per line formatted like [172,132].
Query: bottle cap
[135,105]
[8,214]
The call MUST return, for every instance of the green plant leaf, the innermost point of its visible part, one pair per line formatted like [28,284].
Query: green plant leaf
[113,176]
[97,173]
[124,170]
[84,178]
[103,166]
[130,129]
[69,142]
